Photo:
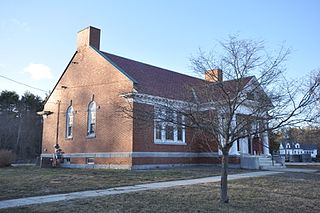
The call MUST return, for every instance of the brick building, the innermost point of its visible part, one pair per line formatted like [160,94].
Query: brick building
[83,116]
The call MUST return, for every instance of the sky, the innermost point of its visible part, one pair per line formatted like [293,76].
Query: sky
[38,38]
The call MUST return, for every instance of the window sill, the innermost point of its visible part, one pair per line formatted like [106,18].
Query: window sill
[69,138]
[170,143]
[91,136]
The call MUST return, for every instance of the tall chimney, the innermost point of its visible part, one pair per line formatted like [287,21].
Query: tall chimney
[89,36]
[214,75]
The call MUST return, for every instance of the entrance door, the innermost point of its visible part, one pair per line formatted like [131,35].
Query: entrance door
[256,145]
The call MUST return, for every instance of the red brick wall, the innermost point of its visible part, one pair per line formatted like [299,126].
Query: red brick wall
[89,74]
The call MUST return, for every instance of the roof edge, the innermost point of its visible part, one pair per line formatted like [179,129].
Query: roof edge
[60,77]
[115,65]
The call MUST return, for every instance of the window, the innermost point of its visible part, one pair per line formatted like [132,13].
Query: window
[180,128]
[168,127]
[69,122]
[288,146]
[169,132]
[159,124]
[297,146]
[158,130]
[92,110]
[90,160]
[180,133]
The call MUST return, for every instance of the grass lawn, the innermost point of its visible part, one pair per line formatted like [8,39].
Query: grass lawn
[17,182]
[287,192]
[317,167]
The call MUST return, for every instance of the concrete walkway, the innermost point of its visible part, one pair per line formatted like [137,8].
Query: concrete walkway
[126,189]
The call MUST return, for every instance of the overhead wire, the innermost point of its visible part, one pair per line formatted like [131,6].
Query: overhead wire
[70,87]
[18,82]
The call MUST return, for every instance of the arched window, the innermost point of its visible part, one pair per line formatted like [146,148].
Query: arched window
[69,122]
[297,146]
[92,110]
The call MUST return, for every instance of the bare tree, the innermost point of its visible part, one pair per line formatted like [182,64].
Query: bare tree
[254,98]
[267,102]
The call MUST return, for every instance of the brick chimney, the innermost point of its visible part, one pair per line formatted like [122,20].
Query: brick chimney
[89,36]
[214,75]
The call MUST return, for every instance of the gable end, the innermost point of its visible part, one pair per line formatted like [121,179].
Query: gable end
[115,65]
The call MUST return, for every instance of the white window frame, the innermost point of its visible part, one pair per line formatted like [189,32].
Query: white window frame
[69,122]
[92,119]
[158,113]
[90,161]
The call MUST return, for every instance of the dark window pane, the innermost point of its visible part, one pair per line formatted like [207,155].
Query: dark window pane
[179,133]
[69,131]
[158,130]
[169,132]
[92,128]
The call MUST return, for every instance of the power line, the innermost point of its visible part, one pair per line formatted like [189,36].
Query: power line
[23,84]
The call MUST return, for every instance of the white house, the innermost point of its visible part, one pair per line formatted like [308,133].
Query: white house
[288,148]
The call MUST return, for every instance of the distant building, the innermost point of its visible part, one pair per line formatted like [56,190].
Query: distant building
[292,148]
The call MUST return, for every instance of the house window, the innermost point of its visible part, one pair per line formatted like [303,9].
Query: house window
[168,127]
[288,146]
[90,160]
[158,130]
[180,133]
[169,132]
[69,122]
[92,111]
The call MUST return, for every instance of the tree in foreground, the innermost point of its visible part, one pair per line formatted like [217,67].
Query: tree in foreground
[253,99]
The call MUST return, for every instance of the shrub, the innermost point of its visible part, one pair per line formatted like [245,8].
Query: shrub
[6,157]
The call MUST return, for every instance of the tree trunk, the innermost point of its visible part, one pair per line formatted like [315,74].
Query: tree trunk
[224,177]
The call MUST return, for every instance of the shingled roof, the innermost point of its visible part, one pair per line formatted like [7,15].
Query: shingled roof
[302,145]
[161,82]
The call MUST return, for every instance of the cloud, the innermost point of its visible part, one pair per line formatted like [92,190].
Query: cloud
[13,25]
[38,71]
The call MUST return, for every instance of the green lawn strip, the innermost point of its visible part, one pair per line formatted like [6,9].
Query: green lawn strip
[287,192]
[17,182]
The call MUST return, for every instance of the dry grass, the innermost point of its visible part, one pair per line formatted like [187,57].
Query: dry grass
[290,192]
[19,182]
[312,166]
[6,157]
